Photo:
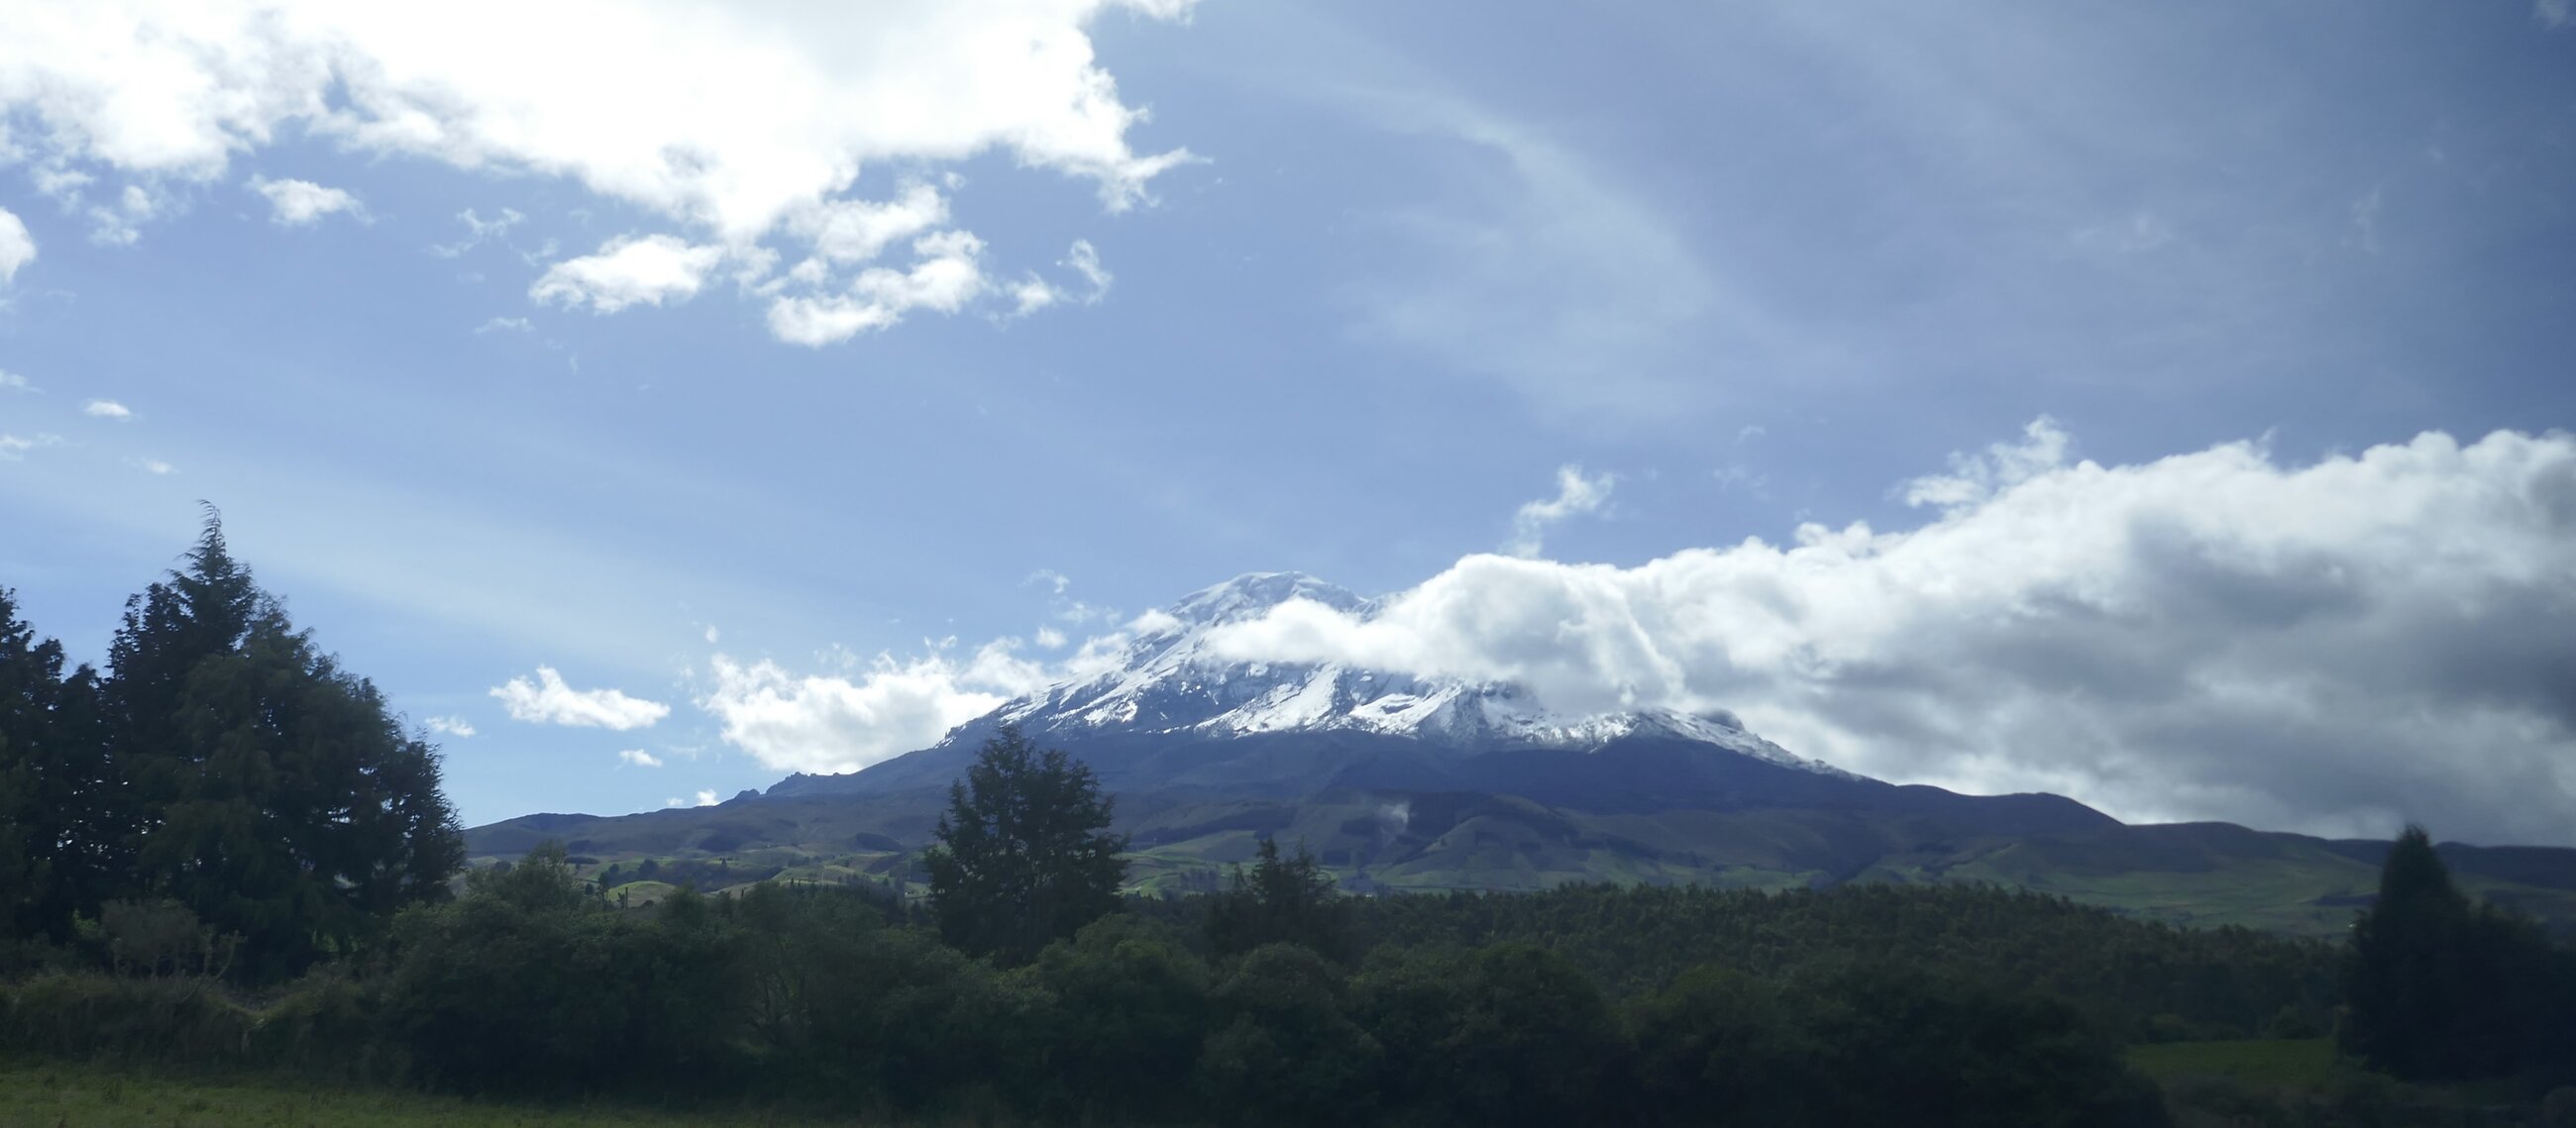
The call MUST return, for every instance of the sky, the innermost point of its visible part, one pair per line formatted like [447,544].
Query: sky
[2163,406]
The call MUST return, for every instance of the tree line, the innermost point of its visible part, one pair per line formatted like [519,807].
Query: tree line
[225,806]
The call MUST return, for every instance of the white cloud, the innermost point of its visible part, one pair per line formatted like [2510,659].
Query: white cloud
[1974,478]
[853,231]
[829,723]
[106,409]
[638,758]
[17,248]
[457,727]
[505,325]
[2553,14]
[302,203]
[1050,638]
[707,798]
[713,635]
[1032,293]
[946,275]
[13,448]
[1084,259]
[14,382]
[1575,493]
[2331,647]
[152,465]
[740,123]
[550,701]
[629,271]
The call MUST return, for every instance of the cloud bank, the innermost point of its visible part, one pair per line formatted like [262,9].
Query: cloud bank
[550,701]
[2331,647]
[735,123]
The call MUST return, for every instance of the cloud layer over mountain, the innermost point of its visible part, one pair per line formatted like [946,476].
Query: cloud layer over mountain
[2331,647]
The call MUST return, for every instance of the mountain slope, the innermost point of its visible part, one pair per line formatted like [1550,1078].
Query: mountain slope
[1402,782]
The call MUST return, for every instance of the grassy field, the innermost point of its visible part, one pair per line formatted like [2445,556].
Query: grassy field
[2300,1063]
[43,1094]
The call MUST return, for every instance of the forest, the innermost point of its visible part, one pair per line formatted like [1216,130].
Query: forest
[225,857]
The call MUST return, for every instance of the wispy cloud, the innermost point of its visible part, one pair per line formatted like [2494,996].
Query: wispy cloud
[106,409]
[14,448]
[457,727]
[1576,493]
[637,758]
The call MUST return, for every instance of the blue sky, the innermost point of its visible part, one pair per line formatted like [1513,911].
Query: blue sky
[820,374]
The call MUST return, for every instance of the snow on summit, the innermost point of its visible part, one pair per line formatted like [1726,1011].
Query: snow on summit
[1171,680]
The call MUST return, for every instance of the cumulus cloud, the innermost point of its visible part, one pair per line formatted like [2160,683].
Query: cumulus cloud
[1974,478]
[629,271]
[302,203]
[946,274]
[17,248]
[841,722]
[1575,493]
[638,758]
[550,701]
[738,123]
[151,465]
[2331,647]
[457,727]
[106,409]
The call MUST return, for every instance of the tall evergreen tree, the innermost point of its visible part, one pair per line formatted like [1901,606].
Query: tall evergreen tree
[285,802]
[1025,856]
[63,832]
[2438,989]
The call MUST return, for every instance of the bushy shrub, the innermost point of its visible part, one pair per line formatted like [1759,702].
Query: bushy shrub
[181,1020]
[527,985]
[1509,1035]
[1285,1051]
[1131,1011]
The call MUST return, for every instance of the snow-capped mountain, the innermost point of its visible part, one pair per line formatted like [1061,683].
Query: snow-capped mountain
[1170,681]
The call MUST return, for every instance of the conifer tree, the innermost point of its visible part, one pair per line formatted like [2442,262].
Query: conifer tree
[1024,856]
[2440,989]
[284,802]
[62,827]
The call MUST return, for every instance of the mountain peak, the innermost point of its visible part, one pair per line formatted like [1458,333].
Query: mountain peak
[1253,593]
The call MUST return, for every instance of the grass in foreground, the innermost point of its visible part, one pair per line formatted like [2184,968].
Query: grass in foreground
[42,1094]
[2289,1063]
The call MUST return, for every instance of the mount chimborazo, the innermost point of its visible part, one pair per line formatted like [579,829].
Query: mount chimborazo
[1405,783]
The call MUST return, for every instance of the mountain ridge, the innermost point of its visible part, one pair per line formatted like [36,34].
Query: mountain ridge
[1404,782]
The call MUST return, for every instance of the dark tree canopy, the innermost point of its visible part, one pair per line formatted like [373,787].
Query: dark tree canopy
[2437,988]
[1024,856]
[65,830]
[281,799]
[1287,900]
